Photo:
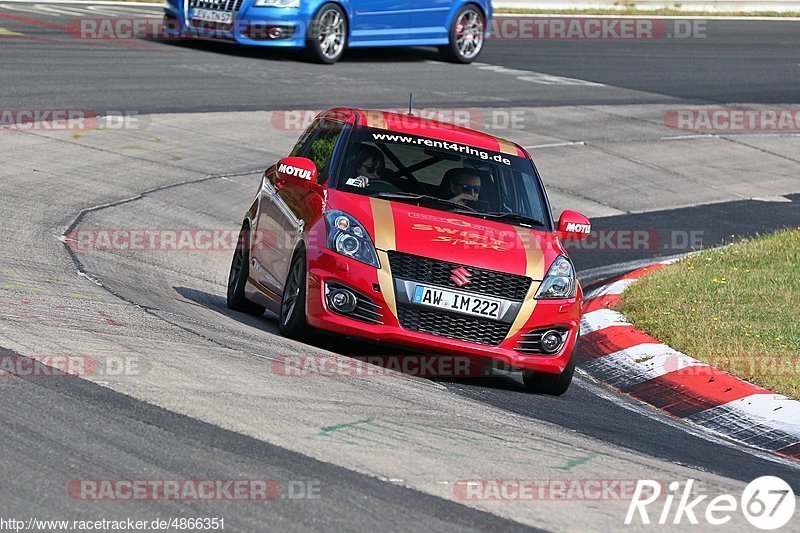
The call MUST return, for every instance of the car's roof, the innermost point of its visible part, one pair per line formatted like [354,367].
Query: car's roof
[423,127]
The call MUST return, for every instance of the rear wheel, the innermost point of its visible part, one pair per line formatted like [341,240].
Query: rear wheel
[292,319]
[550,384]
[327,35]
[467,36]
[240,270]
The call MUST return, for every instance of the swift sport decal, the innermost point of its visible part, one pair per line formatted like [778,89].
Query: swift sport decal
[534,269]
[385,239]
[465,238]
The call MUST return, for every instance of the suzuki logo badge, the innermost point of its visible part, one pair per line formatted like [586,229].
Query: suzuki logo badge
[461,276]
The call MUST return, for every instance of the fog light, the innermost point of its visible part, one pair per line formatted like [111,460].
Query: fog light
[275,33]
[342,301]
[551,341]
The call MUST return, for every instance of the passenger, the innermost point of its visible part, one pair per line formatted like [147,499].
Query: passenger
[461,185]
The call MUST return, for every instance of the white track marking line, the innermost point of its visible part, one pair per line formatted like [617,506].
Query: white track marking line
[618,287]
[84,2]
[640,363]
[765,407]
[26,9]
[536,77]
[60,11]
[556,145]
[115,11]
[589,383]
[602,319]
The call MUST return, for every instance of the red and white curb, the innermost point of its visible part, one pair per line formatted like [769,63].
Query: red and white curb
[615,352]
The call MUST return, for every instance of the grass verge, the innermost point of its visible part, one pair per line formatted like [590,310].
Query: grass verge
[735,308]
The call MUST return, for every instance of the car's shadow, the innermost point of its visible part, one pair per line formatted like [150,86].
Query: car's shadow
[218,304]
[355,55]
[481,373]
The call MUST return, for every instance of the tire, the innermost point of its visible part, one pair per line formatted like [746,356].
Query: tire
[292,317]
[240,270]
[550,384]
[467,36]
[327,35]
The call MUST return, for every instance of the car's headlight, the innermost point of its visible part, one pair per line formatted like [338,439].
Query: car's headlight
[277,3]
[559,282]
[348,237]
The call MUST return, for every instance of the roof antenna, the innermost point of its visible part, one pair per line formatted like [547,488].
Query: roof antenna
[411,105]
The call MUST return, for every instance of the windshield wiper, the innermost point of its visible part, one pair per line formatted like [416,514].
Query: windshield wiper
[400,196]
[522,219]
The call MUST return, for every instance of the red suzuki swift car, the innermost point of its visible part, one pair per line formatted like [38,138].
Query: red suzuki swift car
[416,233]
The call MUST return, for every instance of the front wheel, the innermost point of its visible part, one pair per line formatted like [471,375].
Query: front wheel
[467,36]
[550,384]
[327,35]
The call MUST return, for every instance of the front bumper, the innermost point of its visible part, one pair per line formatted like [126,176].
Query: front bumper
[255,26]
[325,266]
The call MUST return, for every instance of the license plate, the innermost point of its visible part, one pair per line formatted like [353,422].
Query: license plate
[459,302]
[209,15]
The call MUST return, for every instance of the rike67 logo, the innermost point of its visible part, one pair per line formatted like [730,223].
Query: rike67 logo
[767,503]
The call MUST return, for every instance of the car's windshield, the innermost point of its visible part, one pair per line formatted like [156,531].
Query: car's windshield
[443,175]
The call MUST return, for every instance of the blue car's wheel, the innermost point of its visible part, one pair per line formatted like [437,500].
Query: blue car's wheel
[467,35]
[327,35]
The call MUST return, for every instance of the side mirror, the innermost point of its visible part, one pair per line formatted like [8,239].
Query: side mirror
[573,226]
[296,169]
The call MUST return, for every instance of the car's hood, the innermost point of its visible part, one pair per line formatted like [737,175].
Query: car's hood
[456,238]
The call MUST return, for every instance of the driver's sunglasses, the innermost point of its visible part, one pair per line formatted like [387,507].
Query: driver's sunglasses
[476,189]
[372,168]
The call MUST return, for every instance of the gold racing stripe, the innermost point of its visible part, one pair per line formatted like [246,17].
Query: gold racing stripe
[385,240]
[507,147]
[534,269]
[376,119]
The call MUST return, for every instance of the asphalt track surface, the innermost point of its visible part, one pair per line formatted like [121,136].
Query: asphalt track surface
[754,62]
[724,62]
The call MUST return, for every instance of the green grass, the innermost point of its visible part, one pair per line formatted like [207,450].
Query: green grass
[737,308]
[644,12]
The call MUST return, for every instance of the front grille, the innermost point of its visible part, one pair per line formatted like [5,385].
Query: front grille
[467,329]
[488,282]
[531,343]
[229,6]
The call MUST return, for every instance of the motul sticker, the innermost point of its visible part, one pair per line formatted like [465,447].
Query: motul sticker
[573,227]
[295,171]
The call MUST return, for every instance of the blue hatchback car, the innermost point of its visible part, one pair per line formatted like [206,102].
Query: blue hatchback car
[325,29]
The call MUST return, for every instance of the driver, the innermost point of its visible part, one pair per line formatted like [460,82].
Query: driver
[368,164]
[462,185]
